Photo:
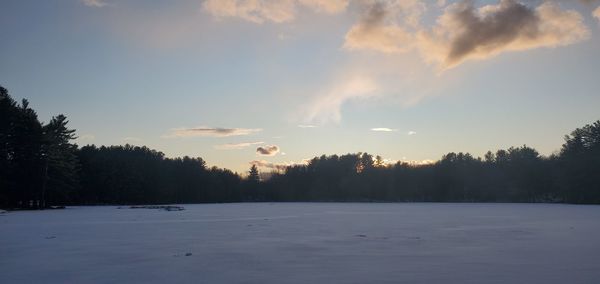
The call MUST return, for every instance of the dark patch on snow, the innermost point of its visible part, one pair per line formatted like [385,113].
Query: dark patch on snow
[186,254]
[161,207]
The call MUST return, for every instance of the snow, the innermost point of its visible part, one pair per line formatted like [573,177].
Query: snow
[304,243]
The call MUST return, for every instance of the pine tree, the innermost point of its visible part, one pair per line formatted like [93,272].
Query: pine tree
[60,162]
[8,109]
[254,176]
[252,184]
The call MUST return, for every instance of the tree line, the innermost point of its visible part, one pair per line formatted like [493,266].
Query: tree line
[40,167]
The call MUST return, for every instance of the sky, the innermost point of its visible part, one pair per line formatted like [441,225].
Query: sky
[275,83]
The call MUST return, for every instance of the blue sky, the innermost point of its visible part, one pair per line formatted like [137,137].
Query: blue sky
[219,79]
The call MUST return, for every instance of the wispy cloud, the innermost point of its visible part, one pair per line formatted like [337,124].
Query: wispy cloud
[325,6]
[416,162]
[589,2]
[411,133]
[210,132]
[307,126]
[236,146]
[383,129]
[268,150]
[419,162]
[277,166]
[95,3]
[277,11]
[86,137]
[380,29]
[465,32]
[327,106]
[253,11]
[132,139]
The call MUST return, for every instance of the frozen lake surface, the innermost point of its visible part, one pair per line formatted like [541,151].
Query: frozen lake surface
[304,243]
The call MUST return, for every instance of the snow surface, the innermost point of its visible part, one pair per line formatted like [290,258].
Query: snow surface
[304,243]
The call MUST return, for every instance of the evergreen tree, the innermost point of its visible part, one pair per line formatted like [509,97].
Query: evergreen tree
[580,159]
[253,174]
[26,142]
[252,184]
[8,111]
[61,166]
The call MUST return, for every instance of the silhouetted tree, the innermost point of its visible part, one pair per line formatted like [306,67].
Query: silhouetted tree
[252,185]
[61,166]
[580,159]
[253,175]
[8,115]
[39,166]
[26,141]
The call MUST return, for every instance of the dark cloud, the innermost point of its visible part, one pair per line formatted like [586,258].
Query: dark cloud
[374,16]
[376,29]
[468,32]
[511,21]
[465,31]
[268,150]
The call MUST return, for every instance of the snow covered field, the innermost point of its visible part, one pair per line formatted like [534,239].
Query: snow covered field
[304,243]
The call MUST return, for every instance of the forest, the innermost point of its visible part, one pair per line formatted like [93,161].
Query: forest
[41,167]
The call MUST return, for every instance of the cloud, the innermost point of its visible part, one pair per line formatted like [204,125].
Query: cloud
[257,11]
[378,28]
[419,163]
[277,166]
[95,3]
[411,133]
[307,126]
[465,32]
[132,139]
[596,13]
[326,6]
[268,150]
[327,106]
[269,165]
[383,129]
[86,137]
[237,146]
[277,11]
[210,132]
